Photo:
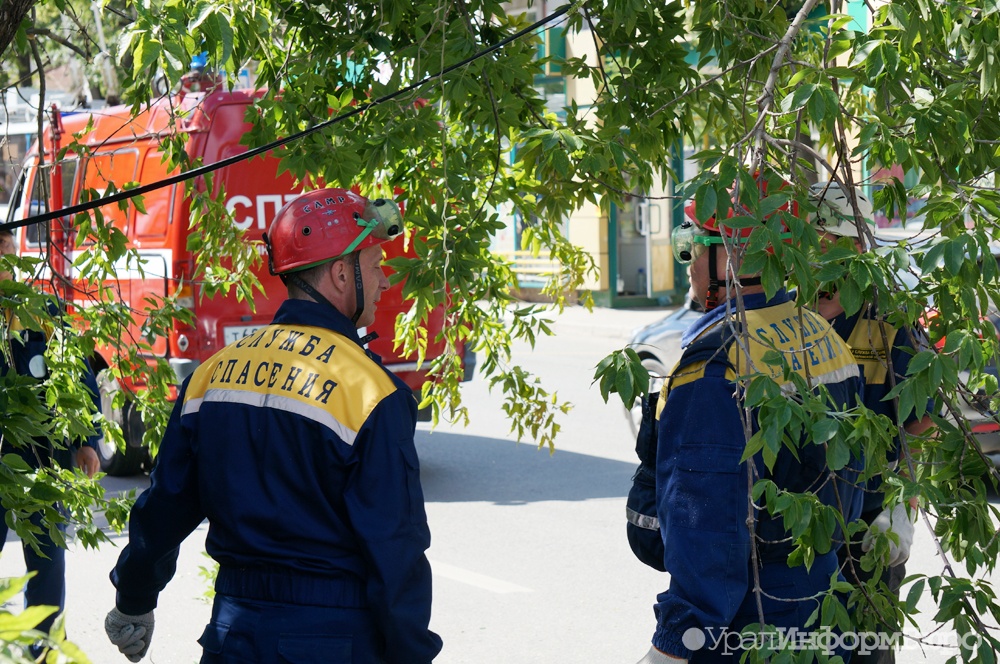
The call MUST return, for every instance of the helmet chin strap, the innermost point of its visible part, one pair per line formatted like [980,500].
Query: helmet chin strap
[359,294]
[307,288]
[712,296]
[359,290]
[714,285]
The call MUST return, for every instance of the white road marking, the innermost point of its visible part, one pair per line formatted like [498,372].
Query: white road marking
[477,580]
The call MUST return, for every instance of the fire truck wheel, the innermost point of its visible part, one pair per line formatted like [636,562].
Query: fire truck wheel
[115,462]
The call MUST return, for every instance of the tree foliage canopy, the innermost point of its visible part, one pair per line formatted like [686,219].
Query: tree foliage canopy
[796,91]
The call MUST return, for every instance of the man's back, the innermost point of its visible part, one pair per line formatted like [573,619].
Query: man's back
[703,487]
[273,420]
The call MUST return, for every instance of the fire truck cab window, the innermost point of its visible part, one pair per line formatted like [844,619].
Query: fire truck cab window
[153,223]
[104,168]
[36,235]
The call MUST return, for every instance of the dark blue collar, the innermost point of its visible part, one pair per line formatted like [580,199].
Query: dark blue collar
[307,312]
[751,301]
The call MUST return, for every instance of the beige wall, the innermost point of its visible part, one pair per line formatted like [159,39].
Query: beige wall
[588,229]
[661,257]
[581,90]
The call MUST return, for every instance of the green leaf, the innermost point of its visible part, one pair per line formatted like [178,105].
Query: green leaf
[772,203]
[45,492]
[840,72]
[954,255]
[603,366]
[139,203]
[838,454]
[861,274]
[625,385]
[759,390]
[920,361]
[913,596]
[379,42]
[705,203]
[875,64]
[29,618]
[207,10]
[147,53]
[830,272]
[801,96]
[824,429]
[817,106]
[863,52]
[226,38]
[850,297]
[772,445]
[16,463]
[933,259]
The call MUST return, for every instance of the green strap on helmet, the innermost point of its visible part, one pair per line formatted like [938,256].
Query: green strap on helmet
[369,226]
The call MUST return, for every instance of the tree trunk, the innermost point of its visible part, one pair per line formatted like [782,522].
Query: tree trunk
[12,12]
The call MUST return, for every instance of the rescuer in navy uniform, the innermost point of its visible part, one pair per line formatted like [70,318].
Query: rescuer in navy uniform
[869,334]
[27,358]
[297,445]
[699,524]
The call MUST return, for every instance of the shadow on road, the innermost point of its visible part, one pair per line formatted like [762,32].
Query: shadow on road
[458,468]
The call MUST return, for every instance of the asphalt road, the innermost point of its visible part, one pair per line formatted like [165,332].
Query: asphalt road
[529,554]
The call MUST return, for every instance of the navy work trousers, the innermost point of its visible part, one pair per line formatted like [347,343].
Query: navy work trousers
[48,586]
[245,631]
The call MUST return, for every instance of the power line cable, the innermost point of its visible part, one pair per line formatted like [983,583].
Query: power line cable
[229,161]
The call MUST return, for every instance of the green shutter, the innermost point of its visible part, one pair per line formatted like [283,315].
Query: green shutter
[555,39]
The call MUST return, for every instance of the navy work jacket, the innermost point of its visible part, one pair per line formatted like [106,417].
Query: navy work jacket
[868,336]
[703,487]
[297,445]
[27,349]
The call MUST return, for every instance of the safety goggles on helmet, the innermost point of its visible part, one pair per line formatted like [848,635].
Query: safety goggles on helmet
[381,219]
[689,240]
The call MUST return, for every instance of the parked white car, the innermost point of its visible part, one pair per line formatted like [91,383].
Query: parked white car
[659,347]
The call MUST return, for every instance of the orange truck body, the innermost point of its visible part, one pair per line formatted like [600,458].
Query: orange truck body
[125,149]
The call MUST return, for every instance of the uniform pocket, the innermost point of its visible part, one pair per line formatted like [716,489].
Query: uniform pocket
[312,648]
[706,487]
[414,492]
[214,637]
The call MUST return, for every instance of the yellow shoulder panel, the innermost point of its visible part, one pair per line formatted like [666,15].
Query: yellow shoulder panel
[13,322]
[810,346]
[309,370]
[869,347]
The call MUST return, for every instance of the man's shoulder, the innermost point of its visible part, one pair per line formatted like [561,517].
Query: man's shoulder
[300,371]
[290,359]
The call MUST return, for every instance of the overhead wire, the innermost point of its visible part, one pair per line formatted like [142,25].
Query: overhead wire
[249,154]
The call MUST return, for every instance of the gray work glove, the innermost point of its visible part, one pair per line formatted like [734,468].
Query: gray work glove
[655,656]
[131,634]
[897,520]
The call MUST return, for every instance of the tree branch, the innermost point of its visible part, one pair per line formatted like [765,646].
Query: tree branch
[766,99]
[803,147]
[42,32]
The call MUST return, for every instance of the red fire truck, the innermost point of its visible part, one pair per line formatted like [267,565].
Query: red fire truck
[124,149]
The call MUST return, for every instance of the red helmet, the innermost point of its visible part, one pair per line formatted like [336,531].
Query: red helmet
[713,226]
[328,224]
